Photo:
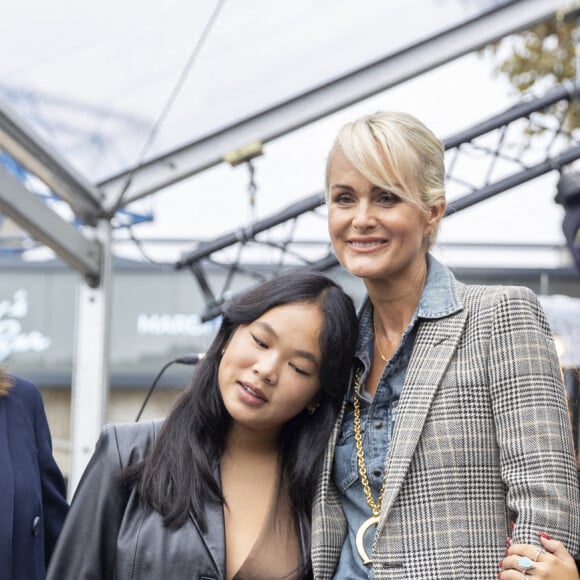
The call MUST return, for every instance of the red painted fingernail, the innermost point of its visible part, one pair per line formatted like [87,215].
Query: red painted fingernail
[512,525]
[500,564]
[506,552]
[544,535]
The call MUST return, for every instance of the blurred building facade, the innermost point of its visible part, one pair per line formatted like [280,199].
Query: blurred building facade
[156,317]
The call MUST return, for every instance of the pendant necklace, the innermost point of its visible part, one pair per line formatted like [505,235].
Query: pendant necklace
[383,357]
[375,506]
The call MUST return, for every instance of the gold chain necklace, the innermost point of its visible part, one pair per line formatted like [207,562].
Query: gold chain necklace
[375,506]
[378,343]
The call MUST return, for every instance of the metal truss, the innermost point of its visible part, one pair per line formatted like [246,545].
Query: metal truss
[156,174]
[494,156]
[30,151]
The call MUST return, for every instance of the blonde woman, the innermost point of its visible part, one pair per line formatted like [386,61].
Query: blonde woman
[456,420]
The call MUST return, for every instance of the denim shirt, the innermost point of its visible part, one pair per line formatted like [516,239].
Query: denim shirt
[438,299]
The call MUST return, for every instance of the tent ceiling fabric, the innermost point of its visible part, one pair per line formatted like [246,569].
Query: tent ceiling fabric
[94,80]
[354,86]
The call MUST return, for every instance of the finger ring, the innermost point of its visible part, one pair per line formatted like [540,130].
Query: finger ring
[540,550]
[525,564]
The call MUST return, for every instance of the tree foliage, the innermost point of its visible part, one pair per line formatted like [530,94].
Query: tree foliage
[539,59]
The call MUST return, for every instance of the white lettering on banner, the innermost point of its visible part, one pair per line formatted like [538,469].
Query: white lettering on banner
[12,337]
[172,325]
[15,308]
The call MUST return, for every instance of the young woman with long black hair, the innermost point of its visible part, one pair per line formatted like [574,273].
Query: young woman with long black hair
[222,489]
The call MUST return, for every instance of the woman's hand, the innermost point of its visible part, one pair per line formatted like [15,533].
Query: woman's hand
[552,563]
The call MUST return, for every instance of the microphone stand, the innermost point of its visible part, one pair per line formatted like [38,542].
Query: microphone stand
[184,360]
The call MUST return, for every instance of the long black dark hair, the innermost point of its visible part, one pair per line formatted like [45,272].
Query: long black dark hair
[180,474]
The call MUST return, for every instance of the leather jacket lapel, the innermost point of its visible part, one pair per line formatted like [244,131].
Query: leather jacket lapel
[214,538]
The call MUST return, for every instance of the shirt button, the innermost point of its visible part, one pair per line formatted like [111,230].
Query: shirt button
[378,424]
[35,525]
[377,472]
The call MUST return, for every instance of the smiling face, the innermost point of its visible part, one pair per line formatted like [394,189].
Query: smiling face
[374,232]
[269,372]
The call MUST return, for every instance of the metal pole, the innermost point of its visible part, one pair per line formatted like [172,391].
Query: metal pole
[90,384]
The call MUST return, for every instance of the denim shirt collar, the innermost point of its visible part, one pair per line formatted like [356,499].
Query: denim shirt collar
[439,298]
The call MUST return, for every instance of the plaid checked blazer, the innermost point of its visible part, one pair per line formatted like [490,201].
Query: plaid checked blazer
[482,437]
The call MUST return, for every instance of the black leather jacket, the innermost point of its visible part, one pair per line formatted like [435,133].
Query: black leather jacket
[110,535]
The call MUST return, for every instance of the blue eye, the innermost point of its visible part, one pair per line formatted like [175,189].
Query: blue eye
[388,198]
[342,198]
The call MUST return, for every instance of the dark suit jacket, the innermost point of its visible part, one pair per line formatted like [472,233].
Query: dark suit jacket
[32,490]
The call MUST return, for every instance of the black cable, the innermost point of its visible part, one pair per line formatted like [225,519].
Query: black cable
[184,360]
[153,133]
[141,248]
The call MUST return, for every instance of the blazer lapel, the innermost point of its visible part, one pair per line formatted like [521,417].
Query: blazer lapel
[328,521]
[435,344]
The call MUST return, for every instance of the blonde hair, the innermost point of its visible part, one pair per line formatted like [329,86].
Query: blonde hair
[397,152]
